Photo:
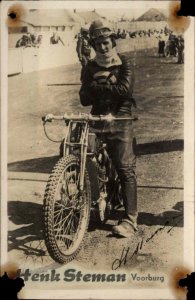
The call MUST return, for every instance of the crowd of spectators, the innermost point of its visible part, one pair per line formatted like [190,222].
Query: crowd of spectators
[32,40]
[123,34]
[167,42]
[29,40]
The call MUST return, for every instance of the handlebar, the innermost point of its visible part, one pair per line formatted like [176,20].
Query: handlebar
[86,117]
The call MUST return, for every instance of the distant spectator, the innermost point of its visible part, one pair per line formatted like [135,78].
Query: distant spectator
[123,34]
[55,39]
[118,35]
[173,45]
[24,41]
[180,48]
[132,35]
[161,47]
[27,40]
[31,37]
[83,49]
[39,39]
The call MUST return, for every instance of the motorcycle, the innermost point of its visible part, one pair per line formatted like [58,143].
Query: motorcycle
[83,179]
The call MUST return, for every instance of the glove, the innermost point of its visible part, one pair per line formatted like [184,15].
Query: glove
[97,86]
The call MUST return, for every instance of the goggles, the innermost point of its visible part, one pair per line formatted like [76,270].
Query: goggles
[103,32]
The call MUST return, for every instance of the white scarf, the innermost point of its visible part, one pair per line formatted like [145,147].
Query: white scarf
[108,59]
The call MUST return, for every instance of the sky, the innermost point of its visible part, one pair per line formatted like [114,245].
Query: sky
[128,9]
[117,14]
[112,10]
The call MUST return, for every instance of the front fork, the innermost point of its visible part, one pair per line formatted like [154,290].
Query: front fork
[82,144]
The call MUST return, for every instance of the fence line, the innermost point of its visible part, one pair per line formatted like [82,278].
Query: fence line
[34,59]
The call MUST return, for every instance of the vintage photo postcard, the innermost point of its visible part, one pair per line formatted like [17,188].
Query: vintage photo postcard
[97,149]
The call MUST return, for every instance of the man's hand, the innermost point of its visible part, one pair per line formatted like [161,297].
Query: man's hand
[96,85]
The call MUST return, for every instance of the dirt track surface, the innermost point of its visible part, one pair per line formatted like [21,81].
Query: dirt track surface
[159,132]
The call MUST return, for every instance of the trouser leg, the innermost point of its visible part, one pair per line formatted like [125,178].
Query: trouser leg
[129,193]
[122,154]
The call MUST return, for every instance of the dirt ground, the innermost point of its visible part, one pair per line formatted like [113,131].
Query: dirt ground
[159,132]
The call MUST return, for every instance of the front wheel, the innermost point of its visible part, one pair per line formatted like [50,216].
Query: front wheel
[66,210]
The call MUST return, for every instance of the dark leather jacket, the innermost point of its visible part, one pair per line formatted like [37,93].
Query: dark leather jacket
[107,96]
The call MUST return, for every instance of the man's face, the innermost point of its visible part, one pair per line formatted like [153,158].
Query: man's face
[103,45]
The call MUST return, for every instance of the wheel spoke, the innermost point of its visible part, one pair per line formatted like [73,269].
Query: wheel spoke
[66,239]
[66,216]
[75,223]
[63,208]
[62,226]
[66,236]
[58,216]
[69,224]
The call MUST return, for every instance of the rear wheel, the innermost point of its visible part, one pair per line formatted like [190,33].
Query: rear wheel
[66,210]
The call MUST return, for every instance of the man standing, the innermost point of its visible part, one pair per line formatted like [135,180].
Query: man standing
[83,49]
[180,49]
[55,39]
[161,47]
[107,85]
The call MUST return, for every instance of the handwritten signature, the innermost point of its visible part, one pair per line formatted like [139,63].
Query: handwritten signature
[118,262]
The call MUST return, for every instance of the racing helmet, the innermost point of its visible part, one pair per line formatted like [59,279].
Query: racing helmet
[100,28]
